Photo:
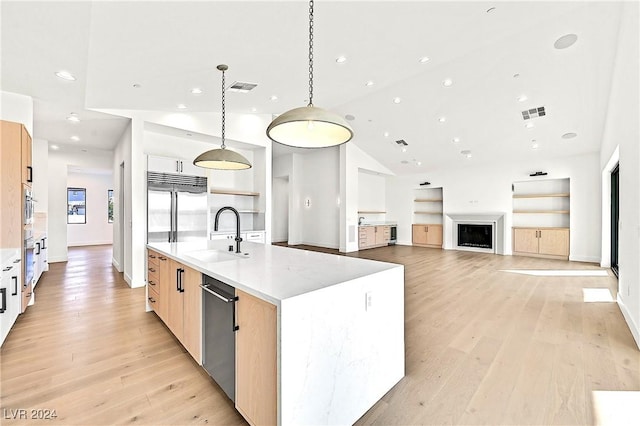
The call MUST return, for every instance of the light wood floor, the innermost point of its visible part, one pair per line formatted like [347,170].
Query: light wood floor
[482,347]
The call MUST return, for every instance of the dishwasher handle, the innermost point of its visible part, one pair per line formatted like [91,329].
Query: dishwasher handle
[226,299]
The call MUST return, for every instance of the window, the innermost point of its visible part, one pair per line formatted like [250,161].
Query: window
[110,205]
[76,205]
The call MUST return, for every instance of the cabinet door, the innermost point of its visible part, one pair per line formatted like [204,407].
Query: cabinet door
[525,240]
[370,238]
[10,187]
[192,326]
[188,168]
[434,235]
[554,242]
[379,236]
[163,164]
[26,154]
[256,367]
[419,234]
[175,309]
[164,286]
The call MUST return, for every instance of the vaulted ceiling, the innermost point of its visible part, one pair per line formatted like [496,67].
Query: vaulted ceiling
[493,52]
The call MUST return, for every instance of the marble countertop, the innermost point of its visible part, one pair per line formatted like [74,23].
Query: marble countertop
[270,272]
[8,254]
[379,223]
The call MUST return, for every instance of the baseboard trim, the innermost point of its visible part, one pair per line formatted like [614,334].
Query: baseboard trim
[127,279]
[323,245]
[633,327]
[90,243]
[585,259]
[116,265]
[53,259]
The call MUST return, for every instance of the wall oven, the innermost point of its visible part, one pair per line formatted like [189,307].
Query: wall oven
[28,206]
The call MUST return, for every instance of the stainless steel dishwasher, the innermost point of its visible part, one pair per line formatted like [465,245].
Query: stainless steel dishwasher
[218,329]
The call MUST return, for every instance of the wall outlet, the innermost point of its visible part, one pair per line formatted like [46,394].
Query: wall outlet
[368,300]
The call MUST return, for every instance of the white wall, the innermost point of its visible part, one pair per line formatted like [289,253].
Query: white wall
[97,229]
[122,190]
[487,189]
[371,195]
[59,162]
[352,161]
[280,227]
[17,108]
[622,133]
[40,185]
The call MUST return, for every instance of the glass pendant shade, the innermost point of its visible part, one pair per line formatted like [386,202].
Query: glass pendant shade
[309,127]
[222,159]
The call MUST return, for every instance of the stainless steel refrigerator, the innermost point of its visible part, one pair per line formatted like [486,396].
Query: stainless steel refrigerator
[176,207]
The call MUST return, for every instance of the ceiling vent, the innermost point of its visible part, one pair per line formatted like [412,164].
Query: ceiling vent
[241,87]
[533,113]
[401,142]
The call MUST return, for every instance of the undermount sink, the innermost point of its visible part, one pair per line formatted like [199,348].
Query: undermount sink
[211,256]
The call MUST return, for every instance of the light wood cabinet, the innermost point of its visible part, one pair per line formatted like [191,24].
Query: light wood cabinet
[427,235]
[256,363]
[541,242]
[10,185]
[174,294]
[26,157]
[373,236]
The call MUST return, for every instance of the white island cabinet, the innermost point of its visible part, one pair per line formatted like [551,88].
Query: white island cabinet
[337,326]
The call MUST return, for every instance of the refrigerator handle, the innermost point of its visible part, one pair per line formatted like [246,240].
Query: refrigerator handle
[170,219]
[175,219]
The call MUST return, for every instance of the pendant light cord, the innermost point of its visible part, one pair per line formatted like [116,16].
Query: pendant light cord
[223,146]
[310,53]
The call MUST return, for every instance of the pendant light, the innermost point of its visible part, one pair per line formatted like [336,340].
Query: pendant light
[310,126]
[222,158]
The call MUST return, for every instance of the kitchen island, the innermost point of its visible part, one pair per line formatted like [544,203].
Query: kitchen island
[339,325]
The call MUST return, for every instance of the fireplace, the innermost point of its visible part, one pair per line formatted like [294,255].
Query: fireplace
[475,235]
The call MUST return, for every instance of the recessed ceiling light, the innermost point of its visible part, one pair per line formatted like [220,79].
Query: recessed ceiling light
[442,119]
[254,109]
[424,59]
[65,75]
[75,138]
[386,134]
[397,100]
[534,145]
[418,163]
[349,117]
[522,98]
[404,162]
[196,91]
[456,140]
[565,41]
[369,83]
[491,9]
[466,153]
[569,135]
[137,86]
[73,117]
[529,125]
[55,147]
[181,106]
[273,98]
[404,149]
[516,75]
[447,83]
[341,59]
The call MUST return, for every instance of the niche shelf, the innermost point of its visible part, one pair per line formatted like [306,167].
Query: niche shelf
[557,195]
[234,192]
[371,212]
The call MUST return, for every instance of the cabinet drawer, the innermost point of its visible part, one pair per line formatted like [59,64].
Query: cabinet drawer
[153,282]
[154,300]
[152,259]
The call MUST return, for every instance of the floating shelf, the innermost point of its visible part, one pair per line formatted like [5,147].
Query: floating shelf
[370,212]
[542,211]
[558,195]
[420,212]
[427,200]
[234,192]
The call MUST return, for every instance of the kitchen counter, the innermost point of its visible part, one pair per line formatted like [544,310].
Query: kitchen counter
[7,254]
[273,273]
[382,223]
[340,324]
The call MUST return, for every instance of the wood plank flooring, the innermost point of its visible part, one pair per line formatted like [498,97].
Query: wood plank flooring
[483,346]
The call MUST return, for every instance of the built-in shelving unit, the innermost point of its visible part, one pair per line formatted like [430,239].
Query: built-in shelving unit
[371,212]
[541,213]
[233,192]
[427,206]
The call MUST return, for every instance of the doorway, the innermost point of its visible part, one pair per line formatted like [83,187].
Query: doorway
[280,204]
[615,216]
[121,218]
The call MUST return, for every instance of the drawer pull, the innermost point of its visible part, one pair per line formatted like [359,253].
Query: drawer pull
[151,283]
[152,256]
[151,270]
[152,300]
[162,258]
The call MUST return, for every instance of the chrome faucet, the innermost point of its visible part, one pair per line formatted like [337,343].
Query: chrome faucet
[360,220]
[215,225]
